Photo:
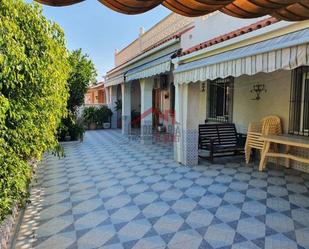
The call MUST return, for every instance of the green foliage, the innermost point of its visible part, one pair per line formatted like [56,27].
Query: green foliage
[98,116]
[103,115]
[118,105]
[33,94]
[72,126]
[90,115]
[82,74]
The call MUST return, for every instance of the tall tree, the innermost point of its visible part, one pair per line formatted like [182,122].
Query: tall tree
[83,73]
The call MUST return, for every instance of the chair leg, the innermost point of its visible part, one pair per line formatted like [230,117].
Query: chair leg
[247,154]
[264,152]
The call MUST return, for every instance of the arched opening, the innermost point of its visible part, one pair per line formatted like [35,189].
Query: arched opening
[135,106]
[118,107]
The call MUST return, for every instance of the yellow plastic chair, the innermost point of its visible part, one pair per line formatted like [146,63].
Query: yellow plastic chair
[270,125]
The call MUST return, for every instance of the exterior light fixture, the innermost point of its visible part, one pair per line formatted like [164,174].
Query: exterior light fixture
[203,87]
[258,89]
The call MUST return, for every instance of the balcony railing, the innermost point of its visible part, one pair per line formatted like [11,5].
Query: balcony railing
[169,26]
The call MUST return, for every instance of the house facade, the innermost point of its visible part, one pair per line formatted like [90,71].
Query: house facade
[142,79]
[96,95]
[197,72]
[241,75]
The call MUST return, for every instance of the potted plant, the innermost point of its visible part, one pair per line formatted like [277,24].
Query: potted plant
[118,108]
[76,130]
[90,117]
[103,117]
[118,105]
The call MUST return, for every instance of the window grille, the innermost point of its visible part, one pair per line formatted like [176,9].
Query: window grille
[220,100]
[299,102]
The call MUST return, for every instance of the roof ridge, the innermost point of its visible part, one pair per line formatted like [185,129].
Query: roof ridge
[230,35]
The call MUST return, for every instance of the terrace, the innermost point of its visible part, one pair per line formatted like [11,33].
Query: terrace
[109,192]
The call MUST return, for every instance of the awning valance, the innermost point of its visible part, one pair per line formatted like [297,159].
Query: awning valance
[292,10]
[285,52]
[114,81]
[155,67]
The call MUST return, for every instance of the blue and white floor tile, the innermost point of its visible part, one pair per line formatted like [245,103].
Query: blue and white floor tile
[109,193]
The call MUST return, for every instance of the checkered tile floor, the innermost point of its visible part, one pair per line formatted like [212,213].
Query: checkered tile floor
[110,193]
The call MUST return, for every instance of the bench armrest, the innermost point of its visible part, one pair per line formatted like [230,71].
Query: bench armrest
[211,141]
[241,135]
[241,139]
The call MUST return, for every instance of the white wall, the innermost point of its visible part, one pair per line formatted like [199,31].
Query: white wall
[203,103]
[206,28]
[275,101]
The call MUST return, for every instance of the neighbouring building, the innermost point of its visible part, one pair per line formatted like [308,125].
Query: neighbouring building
[96,95]
[197,72]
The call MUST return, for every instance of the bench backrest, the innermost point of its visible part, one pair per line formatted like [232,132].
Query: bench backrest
[224,134]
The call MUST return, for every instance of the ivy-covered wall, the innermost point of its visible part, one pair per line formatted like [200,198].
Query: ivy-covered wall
[33,94]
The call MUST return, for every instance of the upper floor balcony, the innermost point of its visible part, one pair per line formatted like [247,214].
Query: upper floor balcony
[167,27]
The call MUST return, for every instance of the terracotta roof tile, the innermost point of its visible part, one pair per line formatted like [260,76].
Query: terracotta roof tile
[231,35]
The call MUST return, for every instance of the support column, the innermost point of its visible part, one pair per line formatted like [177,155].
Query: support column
[146,110]
[113,99]
[126,108]
[187,121]
[107,95]
[178,125]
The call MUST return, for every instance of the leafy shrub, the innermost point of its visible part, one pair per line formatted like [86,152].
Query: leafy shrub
[90,115]
[82,73]
[71,126]
[33,94]
[103,115]
[118,105]
[98,116]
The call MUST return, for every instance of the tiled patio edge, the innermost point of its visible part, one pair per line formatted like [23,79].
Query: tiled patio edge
[7,228]
[10,226]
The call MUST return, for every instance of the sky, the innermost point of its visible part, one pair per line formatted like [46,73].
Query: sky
[99,31]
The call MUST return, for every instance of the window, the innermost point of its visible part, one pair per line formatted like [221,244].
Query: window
[299,102]
[220,100]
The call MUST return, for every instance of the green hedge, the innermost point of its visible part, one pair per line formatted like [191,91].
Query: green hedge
[33,94]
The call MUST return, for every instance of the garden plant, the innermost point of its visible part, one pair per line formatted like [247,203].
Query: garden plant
[34,69]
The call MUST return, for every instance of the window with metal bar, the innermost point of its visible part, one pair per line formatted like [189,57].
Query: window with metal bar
[299,102]
[220,100]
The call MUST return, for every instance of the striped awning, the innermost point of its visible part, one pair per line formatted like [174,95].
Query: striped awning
[291,10]
[114,80]
[285,52]
[155,67]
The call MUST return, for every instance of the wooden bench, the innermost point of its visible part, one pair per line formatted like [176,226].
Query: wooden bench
[220,140]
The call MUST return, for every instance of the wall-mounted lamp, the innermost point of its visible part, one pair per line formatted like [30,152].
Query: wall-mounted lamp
[258,89]
[203,87]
